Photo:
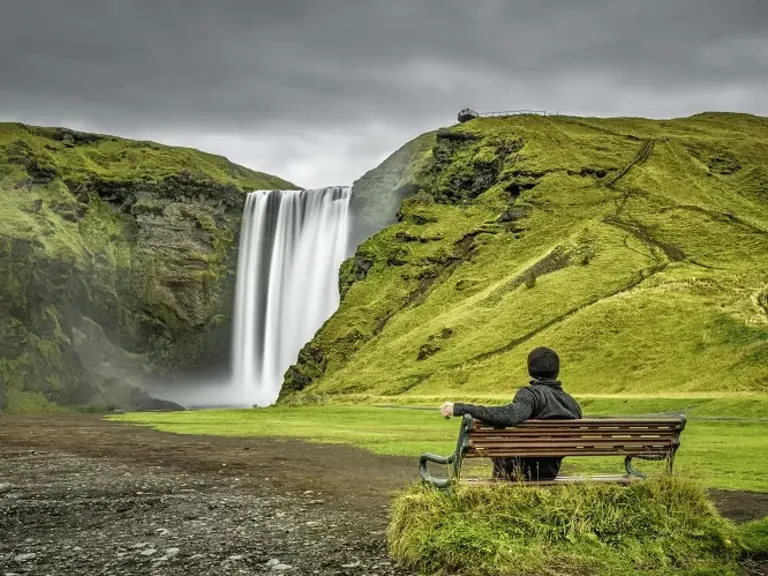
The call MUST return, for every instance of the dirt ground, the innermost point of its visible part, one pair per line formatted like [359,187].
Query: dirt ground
[79,495]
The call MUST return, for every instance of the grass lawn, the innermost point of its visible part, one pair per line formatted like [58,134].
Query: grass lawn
[725,454]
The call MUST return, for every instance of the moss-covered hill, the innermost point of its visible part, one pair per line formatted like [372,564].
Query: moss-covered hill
[638,249]
[116,260]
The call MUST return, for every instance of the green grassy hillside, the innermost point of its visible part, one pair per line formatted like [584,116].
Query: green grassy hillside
[638,249]
[116,261]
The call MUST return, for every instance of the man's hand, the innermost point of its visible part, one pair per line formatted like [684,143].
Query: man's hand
[447,409]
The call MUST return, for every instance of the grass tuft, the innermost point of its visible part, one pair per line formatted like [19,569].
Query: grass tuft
[754,539]
[661,526]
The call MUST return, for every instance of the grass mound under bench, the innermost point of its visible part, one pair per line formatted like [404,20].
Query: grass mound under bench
[662,526]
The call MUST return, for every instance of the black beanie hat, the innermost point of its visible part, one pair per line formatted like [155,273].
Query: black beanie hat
[543,363]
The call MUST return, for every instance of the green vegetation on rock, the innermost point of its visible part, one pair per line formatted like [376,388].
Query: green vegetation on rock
[117,262]
[659,526]
[638,249]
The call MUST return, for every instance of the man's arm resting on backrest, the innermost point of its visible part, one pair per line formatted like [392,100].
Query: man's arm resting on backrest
[512,414]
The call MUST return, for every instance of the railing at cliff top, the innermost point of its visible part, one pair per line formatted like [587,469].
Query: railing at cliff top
[468,114]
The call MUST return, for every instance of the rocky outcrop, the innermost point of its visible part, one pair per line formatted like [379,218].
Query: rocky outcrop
[377,195]
[117,260]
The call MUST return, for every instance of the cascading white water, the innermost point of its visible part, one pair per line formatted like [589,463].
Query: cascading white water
[291,246]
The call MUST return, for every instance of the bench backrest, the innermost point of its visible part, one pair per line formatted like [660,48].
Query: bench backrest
[654,438]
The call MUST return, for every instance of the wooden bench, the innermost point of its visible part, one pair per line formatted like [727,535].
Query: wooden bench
[644,438]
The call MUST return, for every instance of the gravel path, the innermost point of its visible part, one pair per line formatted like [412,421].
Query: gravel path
[64,513]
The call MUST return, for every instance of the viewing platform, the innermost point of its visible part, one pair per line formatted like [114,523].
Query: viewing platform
[468,114]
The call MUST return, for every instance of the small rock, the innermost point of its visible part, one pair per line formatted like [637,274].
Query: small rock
[25,557]
[140,545]
[235,557]
[5,487]
[171,552]
[351,564]
[281,567]
[273,562]
[147,552]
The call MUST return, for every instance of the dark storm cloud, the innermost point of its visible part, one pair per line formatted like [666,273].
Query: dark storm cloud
[391,67]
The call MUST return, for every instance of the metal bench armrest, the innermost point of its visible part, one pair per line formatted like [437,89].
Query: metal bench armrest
[434,458]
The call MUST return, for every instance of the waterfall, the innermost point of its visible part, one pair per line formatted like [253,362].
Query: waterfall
[292,243]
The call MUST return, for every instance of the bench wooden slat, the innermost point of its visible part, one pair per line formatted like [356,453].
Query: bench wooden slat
[593,421]
[572,433]
[578,428]
[506,453]
[572,444]
[581,430]
[572,440]
[576,438]
[580,443]
[559,481]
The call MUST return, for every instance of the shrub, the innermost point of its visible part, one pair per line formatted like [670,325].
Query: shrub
[659,526]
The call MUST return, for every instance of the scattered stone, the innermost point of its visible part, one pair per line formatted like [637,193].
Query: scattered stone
[281,567]
[354,564]
[5,487]
[147,552]
[171,552]
[25,557]
[140,545]
[235,557]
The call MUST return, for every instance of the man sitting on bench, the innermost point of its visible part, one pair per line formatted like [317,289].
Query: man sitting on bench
[543,399]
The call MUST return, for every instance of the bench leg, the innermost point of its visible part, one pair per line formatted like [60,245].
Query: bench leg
[631,470]
[671,462]
[435,459]
[455,460]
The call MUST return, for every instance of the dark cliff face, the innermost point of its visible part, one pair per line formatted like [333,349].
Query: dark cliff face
[117,261]
[377,195]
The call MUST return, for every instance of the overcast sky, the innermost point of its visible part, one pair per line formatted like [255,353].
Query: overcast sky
[319,91]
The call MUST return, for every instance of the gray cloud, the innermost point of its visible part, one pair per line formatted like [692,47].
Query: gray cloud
[318,92]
